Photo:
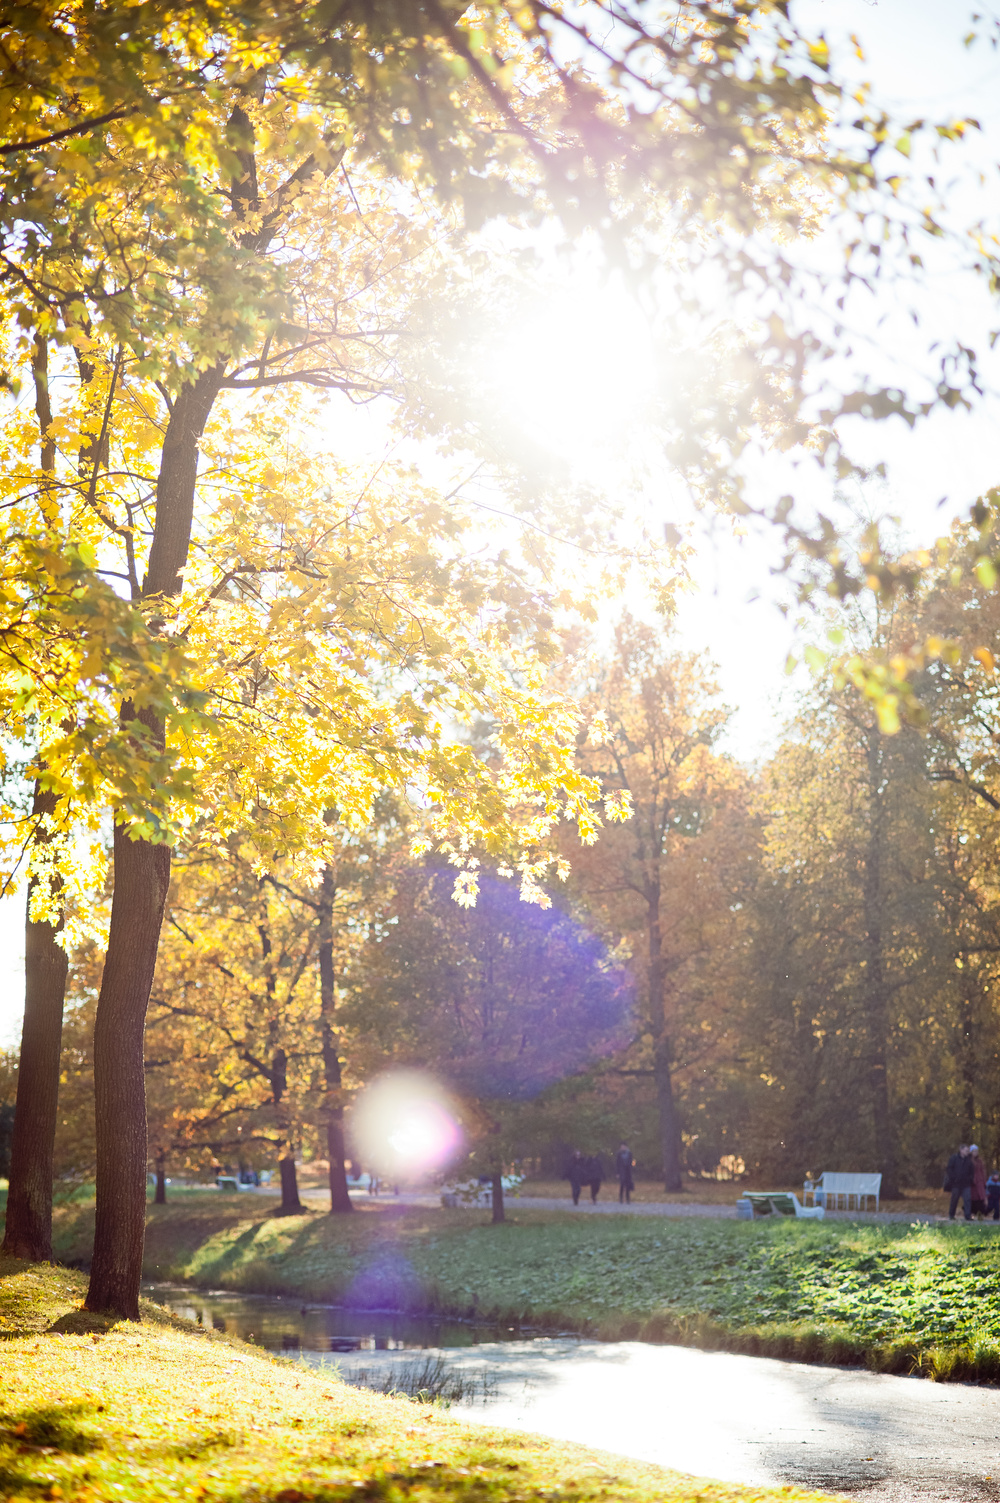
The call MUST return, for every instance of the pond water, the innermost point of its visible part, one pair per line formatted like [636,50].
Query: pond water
[287,1325]
[741,1419]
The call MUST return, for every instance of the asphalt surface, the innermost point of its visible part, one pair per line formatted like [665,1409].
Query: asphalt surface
[750,1419]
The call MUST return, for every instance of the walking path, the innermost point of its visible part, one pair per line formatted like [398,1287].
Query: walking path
[431,1198]
[751,1419]
[683,1208]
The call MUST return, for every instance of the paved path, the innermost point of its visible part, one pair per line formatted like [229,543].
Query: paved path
[693,1208]
[745,1419]
[678,1208]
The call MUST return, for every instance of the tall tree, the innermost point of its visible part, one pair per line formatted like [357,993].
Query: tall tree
[497,1001]
[166,212]
[28,1223]
[848,888]
[668,884]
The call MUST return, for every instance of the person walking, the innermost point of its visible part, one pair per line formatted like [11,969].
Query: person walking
[595,1174]
[993,1196]
[958,1179]
[978,1206]
[577,1174]
[624,1164]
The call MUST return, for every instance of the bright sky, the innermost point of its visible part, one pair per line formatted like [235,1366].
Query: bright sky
[916,61]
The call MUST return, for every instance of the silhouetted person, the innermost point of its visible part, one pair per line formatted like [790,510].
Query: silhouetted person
[978,1181]
[958,1179]
[577,1174]
[595,1173]
[993,1196]
[624,1164]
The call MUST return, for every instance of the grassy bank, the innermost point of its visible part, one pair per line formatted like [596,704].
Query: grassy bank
[895,1298]
[93,1410]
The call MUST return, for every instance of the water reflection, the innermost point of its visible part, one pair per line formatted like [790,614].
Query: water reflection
[287,1325]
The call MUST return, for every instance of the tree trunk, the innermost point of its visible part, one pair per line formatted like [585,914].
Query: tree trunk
[340,1199]
[969,1054]
[160,1198]
[875,990]
[28,1232]
[670,1133]
[142,876]
[497,1197]
[291,1205]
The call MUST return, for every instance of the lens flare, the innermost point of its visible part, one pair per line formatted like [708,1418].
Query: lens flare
[404,1124]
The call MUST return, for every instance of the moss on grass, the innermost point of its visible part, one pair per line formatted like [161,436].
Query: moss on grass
[896,1298]
[91,1409]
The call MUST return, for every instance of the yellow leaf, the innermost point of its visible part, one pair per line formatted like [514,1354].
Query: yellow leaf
[985,573]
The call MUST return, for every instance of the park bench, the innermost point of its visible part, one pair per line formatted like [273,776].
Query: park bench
[829,1189]
[778,1203]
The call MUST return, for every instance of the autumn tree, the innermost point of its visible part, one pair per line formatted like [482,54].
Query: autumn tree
[181,226]
[497,1002]
[848,942]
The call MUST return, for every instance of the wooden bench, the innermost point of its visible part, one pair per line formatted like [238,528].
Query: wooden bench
[779,1203]
[830,1189]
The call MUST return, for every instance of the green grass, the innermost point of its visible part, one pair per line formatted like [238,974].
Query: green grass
[896,1298]
[93,1411]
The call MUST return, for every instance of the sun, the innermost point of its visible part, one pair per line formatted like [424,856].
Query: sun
[573,373]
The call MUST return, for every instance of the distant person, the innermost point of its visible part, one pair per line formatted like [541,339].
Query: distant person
[577,1174]
[978,1181]
[993,1196]
[595,1174]
[624,1164]
[958,1179]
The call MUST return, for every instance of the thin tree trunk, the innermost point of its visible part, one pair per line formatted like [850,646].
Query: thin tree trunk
[160,1198]
[340,1199]
[969,1044]
[497,1197]
[291,1205]
[28,1232]
[670,1134]
[876,994]
[28,1229]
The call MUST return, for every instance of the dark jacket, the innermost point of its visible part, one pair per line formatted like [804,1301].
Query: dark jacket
[623,1168]
[959,1172]
[578,1173]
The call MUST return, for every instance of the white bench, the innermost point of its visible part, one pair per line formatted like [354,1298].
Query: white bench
[829,1189]
[780,1203]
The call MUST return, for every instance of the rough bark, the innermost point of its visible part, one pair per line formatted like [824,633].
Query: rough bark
[291,1205]
[28,1231]
[340,1200]
[497,1196]
[875,989]
[142,876]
